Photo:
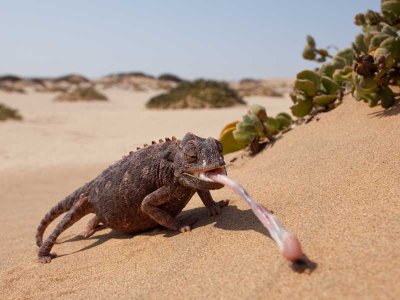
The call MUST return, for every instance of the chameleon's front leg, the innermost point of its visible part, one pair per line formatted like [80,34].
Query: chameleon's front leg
[214,208]
[159,197]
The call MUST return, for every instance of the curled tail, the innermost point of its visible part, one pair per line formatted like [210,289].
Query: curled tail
[61,207]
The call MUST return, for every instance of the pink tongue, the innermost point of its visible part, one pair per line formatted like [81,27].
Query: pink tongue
[288,243]
[292,249]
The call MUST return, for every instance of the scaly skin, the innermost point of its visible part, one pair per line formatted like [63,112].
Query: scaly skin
[143,190]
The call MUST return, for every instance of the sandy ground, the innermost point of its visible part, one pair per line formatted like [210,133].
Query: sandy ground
[334,182]
[83,134]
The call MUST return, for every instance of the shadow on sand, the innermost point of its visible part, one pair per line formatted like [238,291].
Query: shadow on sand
[392,111]
[231,218]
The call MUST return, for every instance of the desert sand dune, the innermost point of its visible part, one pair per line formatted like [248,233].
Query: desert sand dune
[333,182]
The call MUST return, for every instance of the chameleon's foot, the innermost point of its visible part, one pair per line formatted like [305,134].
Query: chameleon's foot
[92,226]
[87,233]
[90,231]
[186,226]
[216,208]
[45,259]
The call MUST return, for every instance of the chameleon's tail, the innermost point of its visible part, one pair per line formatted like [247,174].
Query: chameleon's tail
[61,207]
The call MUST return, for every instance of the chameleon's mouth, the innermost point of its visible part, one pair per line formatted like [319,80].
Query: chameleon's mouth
[202,174]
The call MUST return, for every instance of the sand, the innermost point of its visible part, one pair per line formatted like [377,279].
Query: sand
[333,182]
[82,134]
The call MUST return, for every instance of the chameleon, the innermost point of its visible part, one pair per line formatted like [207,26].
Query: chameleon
[145,189]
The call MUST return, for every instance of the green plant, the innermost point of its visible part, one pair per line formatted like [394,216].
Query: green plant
[254,129]
[310,51]
[369,69]
[82,94]
[197,94]
[8,113]
[376,66]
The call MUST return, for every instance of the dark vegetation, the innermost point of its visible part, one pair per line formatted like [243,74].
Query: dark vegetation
[82,94]
[197,94]
[72,79]
[8,113]
[133,74]
[10,78]
[170,77]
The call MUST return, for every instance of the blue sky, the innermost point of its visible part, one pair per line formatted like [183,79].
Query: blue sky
[218,39]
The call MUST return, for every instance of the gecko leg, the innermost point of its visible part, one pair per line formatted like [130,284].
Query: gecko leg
[214,208]
[156,198]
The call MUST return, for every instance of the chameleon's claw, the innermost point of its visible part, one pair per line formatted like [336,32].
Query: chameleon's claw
[216,208]
[186,226]
[45,259]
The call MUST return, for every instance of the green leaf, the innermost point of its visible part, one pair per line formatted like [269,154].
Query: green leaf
[393,45]
[391,7]
[389,30]
[347,54]
[259,111]
[302,108]
[309,53]
[360,43]
[306,86]
[310,41]
[324,99]
[229,143]
[272,126]
[329,86]
[243,137]
[310,75]
[342,75]
[284,120]
[377,40]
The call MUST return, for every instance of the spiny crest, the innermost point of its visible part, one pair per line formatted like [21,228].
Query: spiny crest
[160,141]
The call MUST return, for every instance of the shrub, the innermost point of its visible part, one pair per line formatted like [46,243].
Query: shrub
[255,130]
[170,77]
[198,94]
[8,113]
[369,70]
[82,94]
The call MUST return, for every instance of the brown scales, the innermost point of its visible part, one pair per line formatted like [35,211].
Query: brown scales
[143,190]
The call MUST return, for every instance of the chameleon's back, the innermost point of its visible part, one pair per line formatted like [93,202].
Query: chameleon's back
[117,193]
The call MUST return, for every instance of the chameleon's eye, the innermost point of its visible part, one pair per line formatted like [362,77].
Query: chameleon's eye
[191,156]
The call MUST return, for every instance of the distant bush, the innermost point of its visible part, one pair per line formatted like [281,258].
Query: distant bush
[72,78]
[82,94]
[133,74]
[11,89]
[170,77]
[251,87]
[198,94]
[248,80]
[51,89]
[11,78]
[8,113]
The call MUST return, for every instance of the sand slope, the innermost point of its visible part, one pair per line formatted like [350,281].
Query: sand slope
[334,182]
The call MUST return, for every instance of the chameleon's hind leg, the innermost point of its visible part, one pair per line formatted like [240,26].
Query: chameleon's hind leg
[78,210]
[150,206]
[91,227]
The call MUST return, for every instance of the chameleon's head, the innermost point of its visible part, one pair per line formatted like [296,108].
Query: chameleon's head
[196,156]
